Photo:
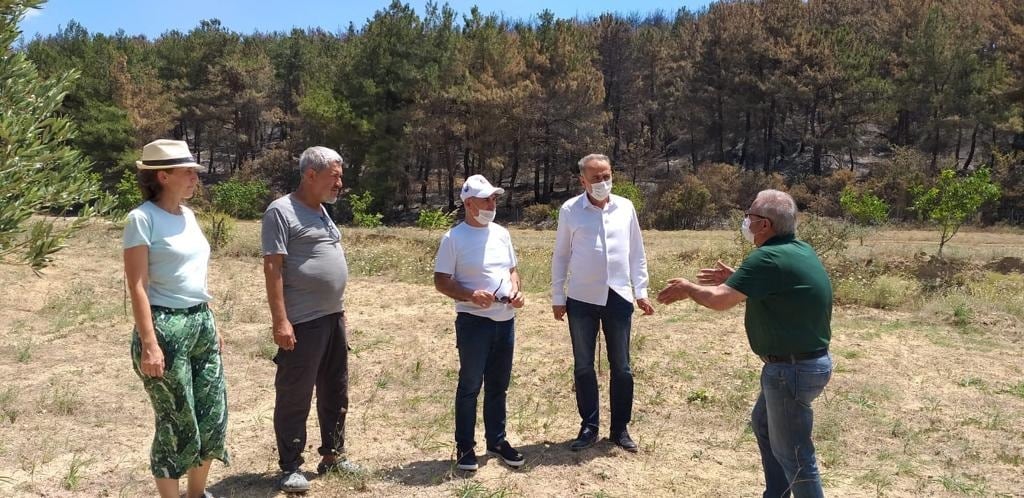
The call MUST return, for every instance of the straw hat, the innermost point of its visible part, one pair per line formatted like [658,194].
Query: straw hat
[163,154]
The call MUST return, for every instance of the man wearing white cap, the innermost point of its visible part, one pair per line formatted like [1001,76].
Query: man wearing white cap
[476,266]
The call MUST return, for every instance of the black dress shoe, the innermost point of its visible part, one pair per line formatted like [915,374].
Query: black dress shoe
[585,439]
[625,442]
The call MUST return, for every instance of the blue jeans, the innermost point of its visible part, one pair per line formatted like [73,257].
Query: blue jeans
[615,318]
[485,357]
[782,420]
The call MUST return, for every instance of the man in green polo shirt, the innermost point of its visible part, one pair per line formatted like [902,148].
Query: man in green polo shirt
[788,316]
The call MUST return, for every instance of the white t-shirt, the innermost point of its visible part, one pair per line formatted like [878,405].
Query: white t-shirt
[479,258]
[178,254]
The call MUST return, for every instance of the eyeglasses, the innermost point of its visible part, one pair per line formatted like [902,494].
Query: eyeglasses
[503,299]
[748,213]
[329,226]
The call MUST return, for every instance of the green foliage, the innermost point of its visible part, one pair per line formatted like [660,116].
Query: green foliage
[126,194]
[241,199]
[361,214]
[219,228]
[435,219]
[962,314]
[699,396]
[864,207]
[952,200]
[630,191]
[39,171]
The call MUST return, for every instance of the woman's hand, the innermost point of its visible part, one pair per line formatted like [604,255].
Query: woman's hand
[152,364]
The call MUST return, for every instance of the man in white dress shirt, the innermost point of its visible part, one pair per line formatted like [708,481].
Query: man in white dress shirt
[599,256]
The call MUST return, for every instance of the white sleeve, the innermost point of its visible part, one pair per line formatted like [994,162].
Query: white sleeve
[560,257]
[637,259]
[511,250]
[445,261]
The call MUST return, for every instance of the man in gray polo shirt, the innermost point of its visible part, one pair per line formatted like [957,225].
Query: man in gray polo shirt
[305,269]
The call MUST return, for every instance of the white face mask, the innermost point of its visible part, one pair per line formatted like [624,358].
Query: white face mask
[601,190]
[485,217]
[747,234]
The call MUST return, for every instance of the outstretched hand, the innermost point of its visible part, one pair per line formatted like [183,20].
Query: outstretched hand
[677,290]
[715,276]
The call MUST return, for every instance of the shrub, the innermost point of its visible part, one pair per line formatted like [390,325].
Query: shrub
[827,236]
[822,193]
[435,219]
[891,180]
[242,199]
[219,228]
[865,208]
[952,200]
[539,214]
[749,183]
[630,191]
[126,194]
[361,211]
[883,292]
[721,181]
[277,167]
[686,204]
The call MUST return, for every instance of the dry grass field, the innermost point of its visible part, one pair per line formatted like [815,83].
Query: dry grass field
[927,397]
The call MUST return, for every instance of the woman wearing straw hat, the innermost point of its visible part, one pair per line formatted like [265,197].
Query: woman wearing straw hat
[175,345]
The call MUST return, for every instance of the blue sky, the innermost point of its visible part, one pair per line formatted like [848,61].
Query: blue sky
[153,18]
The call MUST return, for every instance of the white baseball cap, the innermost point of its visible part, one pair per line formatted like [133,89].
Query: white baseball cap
[478,186]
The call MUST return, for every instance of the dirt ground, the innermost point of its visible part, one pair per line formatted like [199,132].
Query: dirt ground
[917,407]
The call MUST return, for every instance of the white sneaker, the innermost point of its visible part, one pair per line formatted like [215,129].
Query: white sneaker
[293,482]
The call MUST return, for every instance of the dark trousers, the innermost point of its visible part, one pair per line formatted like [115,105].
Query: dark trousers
[320,359]
[485,357]
[615,318]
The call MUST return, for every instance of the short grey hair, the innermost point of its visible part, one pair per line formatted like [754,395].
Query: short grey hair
[592,157]
[318,158]
[779,207]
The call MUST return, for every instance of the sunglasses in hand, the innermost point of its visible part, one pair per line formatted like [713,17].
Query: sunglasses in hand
[503,299]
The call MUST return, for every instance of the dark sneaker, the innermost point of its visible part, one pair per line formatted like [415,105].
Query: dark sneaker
[507,453]
[340,465]
[586,438]
[623,441]
[293,482]
[467,460]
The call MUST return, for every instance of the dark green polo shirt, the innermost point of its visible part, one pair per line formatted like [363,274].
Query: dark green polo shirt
[789,297]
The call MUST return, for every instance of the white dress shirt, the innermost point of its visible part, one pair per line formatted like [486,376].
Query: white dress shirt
[597,249]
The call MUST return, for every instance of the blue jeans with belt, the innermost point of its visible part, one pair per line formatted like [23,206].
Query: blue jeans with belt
[485,358]
[782,419]
[615,318]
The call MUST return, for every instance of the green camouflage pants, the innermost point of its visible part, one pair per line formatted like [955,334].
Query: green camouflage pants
[190,401]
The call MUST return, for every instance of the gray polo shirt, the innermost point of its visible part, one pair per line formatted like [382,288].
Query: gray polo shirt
[315,270]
